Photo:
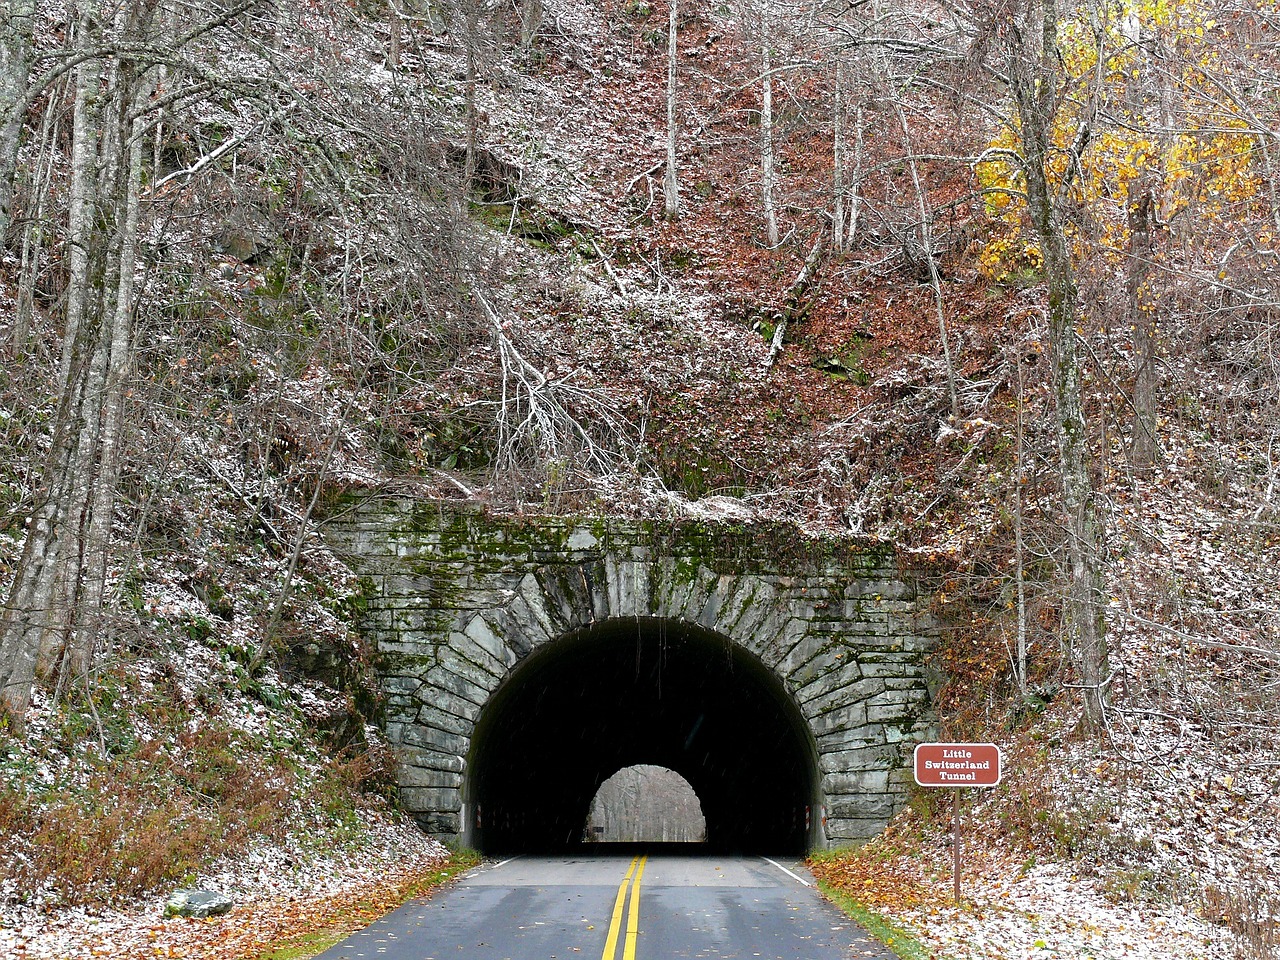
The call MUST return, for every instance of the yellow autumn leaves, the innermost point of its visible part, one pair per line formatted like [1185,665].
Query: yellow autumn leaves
[1154,83]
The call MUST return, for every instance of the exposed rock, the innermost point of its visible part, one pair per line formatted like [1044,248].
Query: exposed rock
[197,903]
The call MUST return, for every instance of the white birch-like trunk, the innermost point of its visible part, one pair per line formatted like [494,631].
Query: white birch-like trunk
[32,231]
[1020,582]
[855,180]
[117,339]
[1143,205]
[36,612]
[766,145]
[395,25]
[671,185]
[926,244]
[837,166]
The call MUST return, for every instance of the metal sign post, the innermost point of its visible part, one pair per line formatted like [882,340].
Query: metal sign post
[955,840]
[957,765]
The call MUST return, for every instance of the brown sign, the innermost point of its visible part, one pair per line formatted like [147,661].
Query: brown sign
[957,764]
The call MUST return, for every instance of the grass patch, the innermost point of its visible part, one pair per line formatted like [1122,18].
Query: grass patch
[890,934]
[307,945]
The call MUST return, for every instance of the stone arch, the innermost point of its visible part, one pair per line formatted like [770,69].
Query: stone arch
[626,691]
[458,603]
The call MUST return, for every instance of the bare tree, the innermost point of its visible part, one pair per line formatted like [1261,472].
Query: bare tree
[531,14]
[671,183]
[53,616]
[17,24]
[767,172]
[1033,61]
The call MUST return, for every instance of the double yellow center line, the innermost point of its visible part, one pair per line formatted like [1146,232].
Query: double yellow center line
[630,881]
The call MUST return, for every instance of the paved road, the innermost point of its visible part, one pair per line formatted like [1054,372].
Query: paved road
[618,908]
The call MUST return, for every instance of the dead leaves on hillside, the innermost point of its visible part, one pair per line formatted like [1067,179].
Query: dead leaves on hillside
[256,930]
[874,877]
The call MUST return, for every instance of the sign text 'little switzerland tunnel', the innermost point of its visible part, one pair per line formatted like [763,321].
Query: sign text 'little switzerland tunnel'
[957,764]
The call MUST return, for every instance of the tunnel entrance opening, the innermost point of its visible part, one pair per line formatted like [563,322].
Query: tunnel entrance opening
[641,691]
[645,804]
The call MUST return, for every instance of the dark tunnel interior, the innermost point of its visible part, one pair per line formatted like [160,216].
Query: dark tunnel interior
[641,691]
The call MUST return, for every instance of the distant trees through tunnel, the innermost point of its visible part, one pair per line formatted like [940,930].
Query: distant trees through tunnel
[646,804]
[640,691]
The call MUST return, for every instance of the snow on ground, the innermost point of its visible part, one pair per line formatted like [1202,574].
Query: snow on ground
[1048,913]
[276,888]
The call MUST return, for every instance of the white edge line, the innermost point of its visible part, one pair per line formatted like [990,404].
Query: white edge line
[793,876]
[503,863]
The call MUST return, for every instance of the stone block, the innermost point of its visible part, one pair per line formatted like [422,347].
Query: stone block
[582,540]
[870,755]
[763,623]
[401,685]
[853,831]
[834,660]
[738,602]
[481,635]
[412,776]
[823,697]
[778,652]
[431,800]
[453,680]
[834,726]
[856,782]
[427,733]
[701,594]
[444,702]
[888,713]
[890,664]
[863,806]
[446,826]
[709,614]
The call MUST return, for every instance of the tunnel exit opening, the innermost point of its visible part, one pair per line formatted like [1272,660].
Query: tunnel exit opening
[634,691]
[645,804]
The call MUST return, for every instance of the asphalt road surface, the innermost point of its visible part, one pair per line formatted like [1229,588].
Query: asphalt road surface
[619,908]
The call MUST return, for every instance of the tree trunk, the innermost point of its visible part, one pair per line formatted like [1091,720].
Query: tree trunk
[473,116]
[116,339]
[1142,213]
[530,24]
[671,185]
[855,181]
[33,229]
[53,617]
[1146,446]
[394,26]
[926,245]
[1019,573]
[766,145]
[1034,83]
[17,22]
[837,166]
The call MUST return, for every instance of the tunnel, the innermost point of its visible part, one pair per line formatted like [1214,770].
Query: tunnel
[641,691]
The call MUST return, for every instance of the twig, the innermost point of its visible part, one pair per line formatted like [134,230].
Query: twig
[1265,654]
[608,268]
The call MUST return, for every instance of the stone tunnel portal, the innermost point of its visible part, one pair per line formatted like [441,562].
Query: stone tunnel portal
[641,691]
